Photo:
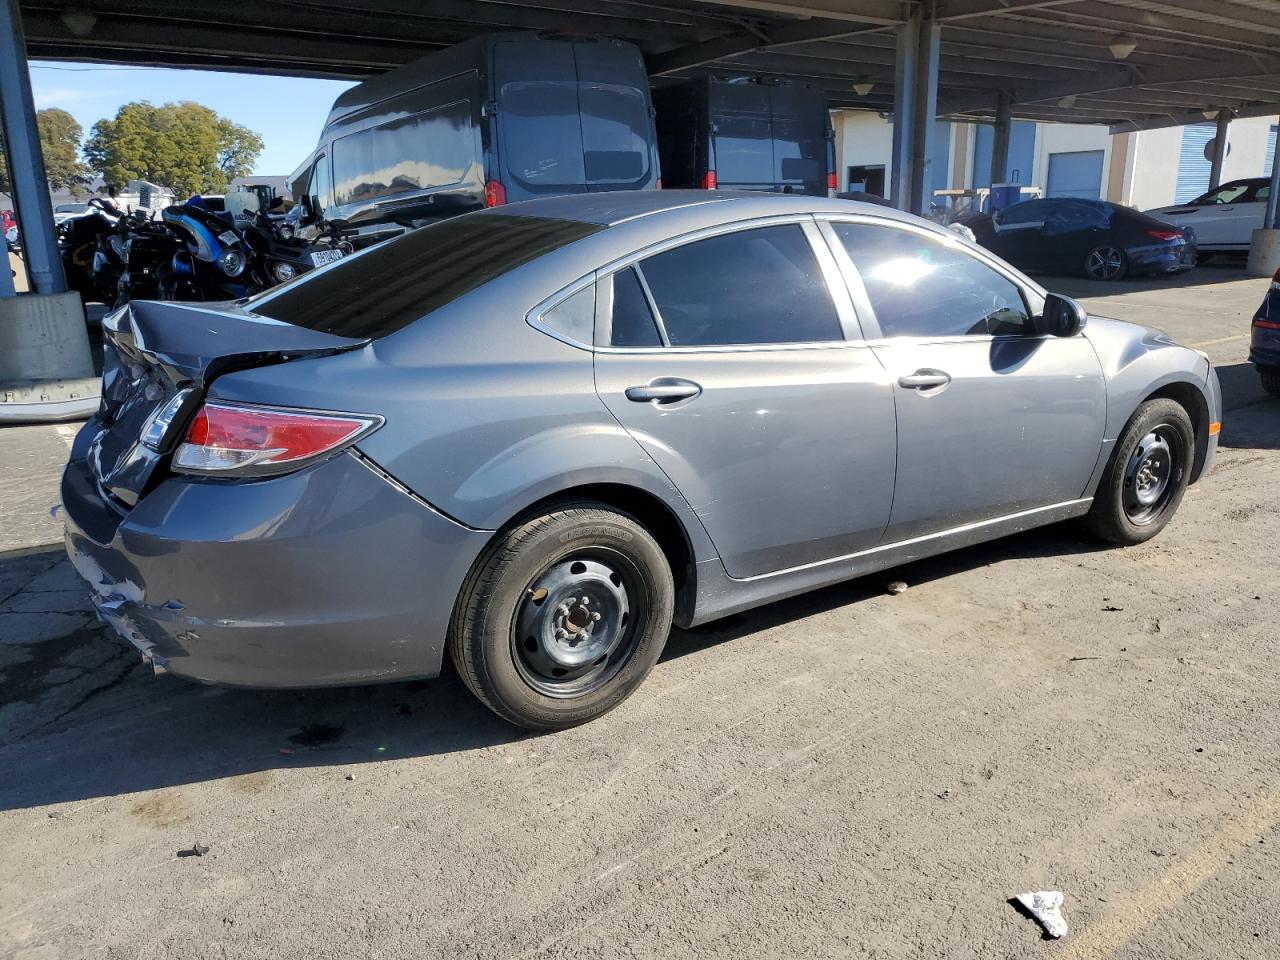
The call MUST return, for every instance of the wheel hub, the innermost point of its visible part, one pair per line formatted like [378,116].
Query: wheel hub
[1149,476]
[574,616]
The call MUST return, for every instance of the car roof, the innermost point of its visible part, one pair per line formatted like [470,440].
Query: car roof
[614,207]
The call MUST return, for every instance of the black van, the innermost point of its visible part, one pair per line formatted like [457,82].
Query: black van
[746,134]
[492,120]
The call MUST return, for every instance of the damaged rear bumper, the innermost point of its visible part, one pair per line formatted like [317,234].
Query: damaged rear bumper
[331,575]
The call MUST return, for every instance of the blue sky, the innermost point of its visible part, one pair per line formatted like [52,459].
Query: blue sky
[286,112]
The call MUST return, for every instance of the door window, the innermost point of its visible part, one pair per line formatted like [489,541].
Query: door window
[615,133]
[921,286]
[321,194]
[1027,214]
[751,286]
[633,324]
[1227,193]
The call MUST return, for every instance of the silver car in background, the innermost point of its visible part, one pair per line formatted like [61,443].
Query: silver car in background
[536,437]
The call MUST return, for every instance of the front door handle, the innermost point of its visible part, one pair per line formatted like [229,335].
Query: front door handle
[664,390]
[925,379]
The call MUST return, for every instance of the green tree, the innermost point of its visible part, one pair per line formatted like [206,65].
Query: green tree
[60,141]
[185,146]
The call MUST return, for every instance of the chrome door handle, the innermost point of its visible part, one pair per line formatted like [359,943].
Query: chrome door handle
[664,390]
[924,379]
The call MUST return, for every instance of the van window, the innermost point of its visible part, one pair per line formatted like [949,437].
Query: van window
[798,158]
[744,150]
[405,155]
[615,128]
[561,133]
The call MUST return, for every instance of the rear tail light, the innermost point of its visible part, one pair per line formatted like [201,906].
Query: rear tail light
[709,180]
[495,194]
[657,184]
[1165,234]
[831,181]
[249,440]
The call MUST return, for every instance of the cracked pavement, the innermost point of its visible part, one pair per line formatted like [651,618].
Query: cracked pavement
[844,774]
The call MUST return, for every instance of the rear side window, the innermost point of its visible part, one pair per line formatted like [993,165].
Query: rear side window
[429,149]
[921,286]
[387,287]
[751,286]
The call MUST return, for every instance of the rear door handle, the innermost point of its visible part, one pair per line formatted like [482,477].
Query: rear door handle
[925,379]
[664,390]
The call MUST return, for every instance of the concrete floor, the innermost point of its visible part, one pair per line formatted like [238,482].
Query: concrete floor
[844,774]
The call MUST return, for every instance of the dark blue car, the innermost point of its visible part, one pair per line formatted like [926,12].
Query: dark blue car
[1102,240]
[1264,346]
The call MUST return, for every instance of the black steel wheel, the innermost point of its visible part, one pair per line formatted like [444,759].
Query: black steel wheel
[1146,476]
[563,615]
[1105,262]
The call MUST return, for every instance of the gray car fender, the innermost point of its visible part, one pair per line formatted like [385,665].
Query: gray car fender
[1138,362]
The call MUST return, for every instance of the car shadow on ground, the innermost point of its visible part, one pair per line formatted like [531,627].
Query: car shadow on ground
[1071,285]
[1250,417]
[82,718]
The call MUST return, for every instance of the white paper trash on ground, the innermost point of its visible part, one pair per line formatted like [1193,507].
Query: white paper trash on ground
[1046,907]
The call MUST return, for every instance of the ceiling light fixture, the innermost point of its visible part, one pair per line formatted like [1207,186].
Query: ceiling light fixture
[1068,101]
[862,86]
[79,20]
[1121,45]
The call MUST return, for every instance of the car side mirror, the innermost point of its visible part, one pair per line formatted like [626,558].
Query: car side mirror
[1062,316]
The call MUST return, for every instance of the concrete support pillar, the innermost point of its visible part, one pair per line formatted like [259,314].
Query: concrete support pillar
[1264,246]
[46,369]
[915,97]
[1000,139]
[25,161]
[1219,149]
[904,76]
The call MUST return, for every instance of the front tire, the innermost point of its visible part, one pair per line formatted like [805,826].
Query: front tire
[562,616]
[1105,262]
[1147,475]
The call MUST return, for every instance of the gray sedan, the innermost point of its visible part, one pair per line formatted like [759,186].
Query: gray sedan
[535,437]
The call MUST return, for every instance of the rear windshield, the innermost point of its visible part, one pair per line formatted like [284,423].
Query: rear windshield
[389,286]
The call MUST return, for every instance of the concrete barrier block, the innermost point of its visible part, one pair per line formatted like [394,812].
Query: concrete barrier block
[1264,253]
[43,337]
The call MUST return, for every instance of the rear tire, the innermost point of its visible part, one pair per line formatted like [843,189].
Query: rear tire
[1106,262]
[1270,380]
[1146,476]
[562,616]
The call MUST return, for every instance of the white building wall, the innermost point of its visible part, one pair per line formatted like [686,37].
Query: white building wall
[1155,164]
[862,139]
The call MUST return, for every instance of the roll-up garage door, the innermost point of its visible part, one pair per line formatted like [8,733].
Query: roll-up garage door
[1075,174]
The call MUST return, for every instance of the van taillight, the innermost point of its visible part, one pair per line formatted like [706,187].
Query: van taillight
[657,184]
[831,181]
[709,180]
[495,194]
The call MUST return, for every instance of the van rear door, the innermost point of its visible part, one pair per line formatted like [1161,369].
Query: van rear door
[573,117]
[769,138]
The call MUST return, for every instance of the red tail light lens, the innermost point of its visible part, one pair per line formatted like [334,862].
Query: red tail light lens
[245,440]
[1165,234]
[709,180]
[495,194]
[831,181]
[657,185]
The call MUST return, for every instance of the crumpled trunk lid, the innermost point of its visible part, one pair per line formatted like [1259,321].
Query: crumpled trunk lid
[153,351]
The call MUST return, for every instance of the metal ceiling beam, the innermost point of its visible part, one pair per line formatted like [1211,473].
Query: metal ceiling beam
[845,53]
[952,10]
[884,12]
[737,44]
[1179,119]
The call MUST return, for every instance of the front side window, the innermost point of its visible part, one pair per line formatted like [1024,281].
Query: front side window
[1228,193]
[1026,213]
[408,154]
[924,286]
[321,192]
[749,287]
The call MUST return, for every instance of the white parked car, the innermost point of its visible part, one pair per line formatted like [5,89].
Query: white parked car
[1224,218]
[66,211]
